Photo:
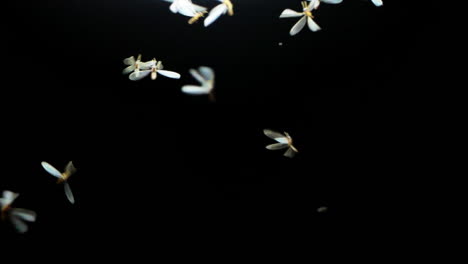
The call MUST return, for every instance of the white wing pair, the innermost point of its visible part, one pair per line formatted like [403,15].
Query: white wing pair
[306,17]
[377,2]
[17,216]
[187,8]
[153,67]
[204,75]
[62,177]
[225,7]
[284,141]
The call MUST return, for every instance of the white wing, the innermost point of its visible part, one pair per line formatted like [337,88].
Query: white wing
[68,192]
[314,4]
[290,13]
[277,146]
[332,1]
[272,134]
[312,25]
[214,14]
[70,168]
[199,8]
[206,72]
[170,74]
[129,61]
[19,225]
[197,76]
[185,7]
[377,2]
[51,170]
[129,69]
[136,76]
[173,7]
[24,214]
[290,153]
[8,197]
[192,89]
[298,26]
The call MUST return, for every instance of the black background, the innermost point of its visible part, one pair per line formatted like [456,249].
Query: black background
[188,174]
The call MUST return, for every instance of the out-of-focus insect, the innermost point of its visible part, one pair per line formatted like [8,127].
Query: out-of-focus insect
[205,75]
[62,177]
[17,216]
[322,209]
[306,17]
[284,141]
[154,67]
[134,65]
[377,2]
[187,8]
[217,11]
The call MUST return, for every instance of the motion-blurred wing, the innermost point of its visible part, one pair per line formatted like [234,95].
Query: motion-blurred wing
[170,74]
[129,69]
[51,170]
[275,135]
[19,225]
[195,90]
[298,26]
[129,61]
[136,76]
[214,14]
[290,153]
[277,146]
[70,169]
[377,2]
[8,197]
[24,214]
[206,72]
[197,76]
[68,192]
[312,25]
[290,13]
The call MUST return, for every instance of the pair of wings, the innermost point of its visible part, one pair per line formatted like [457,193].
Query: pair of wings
[283,142]
[17,217]
[70,169]
[8,198]
[138,75]
[204,75]
[185,7]
[301,23]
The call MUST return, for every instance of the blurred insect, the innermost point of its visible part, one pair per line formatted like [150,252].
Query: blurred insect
[133,65]
[306,17]
[377,2]
[322,209]
[17,216]
[187,8]
[284,141]
[154,67]
[217,11]
[205,75]
[62,177]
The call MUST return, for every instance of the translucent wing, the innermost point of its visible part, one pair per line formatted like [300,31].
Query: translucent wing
[129,69]
[51,170]
[197,76]
[290,153]
[214,14]
[377,2]
[290,13]
[70,169]
[332,1]
[24,214]
[169,74]
[199,8]
[129,61]
[312,25]
[9,196]
[314,4]
[206,72]
[272,134]
[192,89]
[277,146]
[147,65]
[68,192]
[136,76]
[19,225]
[298,26]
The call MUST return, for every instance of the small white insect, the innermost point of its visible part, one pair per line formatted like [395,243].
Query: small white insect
[62,177]
[205,75]
[154,67]
[322,209]
[377,2]
[284,141]
[187,8]
[217,11]
[306,17]
[133,65]
[17,216]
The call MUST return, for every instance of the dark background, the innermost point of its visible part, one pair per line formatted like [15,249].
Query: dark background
[188,174]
